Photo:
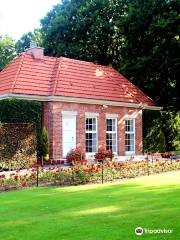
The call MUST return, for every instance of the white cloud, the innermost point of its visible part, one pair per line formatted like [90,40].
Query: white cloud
[20,16]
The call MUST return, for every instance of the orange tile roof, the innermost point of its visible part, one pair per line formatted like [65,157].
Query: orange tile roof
[51,76]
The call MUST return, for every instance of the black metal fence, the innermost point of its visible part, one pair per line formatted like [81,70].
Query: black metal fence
[84,172]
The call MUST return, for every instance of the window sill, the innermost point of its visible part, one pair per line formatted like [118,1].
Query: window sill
[130,153]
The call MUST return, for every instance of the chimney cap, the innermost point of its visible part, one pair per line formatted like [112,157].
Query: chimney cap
[33,44]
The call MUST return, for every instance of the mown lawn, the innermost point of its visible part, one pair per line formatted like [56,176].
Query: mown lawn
[108,212]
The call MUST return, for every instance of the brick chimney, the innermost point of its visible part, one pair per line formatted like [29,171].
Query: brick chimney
[37,52]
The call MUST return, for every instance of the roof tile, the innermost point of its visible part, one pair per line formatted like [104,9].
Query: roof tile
[52,76]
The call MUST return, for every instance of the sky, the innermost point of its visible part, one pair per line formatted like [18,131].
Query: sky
[21,16]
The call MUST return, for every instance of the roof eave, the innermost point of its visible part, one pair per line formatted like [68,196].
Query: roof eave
[78,100]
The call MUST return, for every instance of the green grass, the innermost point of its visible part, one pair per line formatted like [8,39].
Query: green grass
[108,212]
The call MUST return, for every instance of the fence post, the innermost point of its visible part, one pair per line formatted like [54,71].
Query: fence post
[37,184]
[37,173]
[147,161]
[102,171]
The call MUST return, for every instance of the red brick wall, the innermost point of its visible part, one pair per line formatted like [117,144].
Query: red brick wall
[52,112]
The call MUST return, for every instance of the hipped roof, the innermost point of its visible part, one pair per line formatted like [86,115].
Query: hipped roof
[72,79]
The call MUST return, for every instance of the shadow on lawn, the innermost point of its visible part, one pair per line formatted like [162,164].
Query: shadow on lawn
[109,210]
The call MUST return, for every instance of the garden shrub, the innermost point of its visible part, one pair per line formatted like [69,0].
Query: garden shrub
[44,144]
[75,155]
[103,154]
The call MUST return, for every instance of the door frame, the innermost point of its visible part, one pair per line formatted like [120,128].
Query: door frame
[68,114]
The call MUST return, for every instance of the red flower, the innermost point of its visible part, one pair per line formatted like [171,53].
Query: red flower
[99,164]
[16,177]
[84,162]
[96,170]
[24,184]
[108,164]
[51,168]
[37,165]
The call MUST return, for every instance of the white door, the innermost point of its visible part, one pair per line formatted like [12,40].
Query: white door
[69,133]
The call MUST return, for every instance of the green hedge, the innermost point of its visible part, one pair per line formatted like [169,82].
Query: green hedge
[21,111]
[17,146]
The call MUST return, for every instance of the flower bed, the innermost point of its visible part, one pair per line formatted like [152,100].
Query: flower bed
[83,172]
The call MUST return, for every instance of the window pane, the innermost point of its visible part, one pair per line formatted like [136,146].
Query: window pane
[108,124]
[131,126]
[91,135]
[113,124]
[129,142]
[94,148]
[94,127]
[127,148]
[114,148]
[111,134]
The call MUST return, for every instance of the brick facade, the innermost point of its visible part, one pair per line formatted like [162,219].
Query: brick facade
[52,120]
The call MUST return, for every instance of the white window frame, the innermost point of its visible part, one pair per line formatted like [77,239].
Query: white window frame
[130,132]
[92,131]
[112,132]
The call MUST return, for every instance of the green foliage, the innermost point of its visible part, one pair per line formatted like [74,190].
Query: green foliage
[84,30]
[24,42]
[17,146]
[21,111]
[150,54]
[7,50]
[154,139]
[161,131]
[44,144]
[171,129]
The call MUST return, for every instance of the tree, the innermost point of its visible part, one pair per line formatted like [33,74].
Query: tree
[150,54]
[24,41]
[7,50]
[150,59]
[84,30]
[44,144]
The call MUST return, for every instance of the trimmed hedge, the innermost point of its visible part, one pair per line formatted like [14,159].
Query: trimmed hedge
[22,111]
[17,146]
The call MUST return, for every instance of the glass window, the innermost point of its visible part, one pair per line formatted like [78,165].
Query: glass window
[130,135]
[111,134]
[91,134]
